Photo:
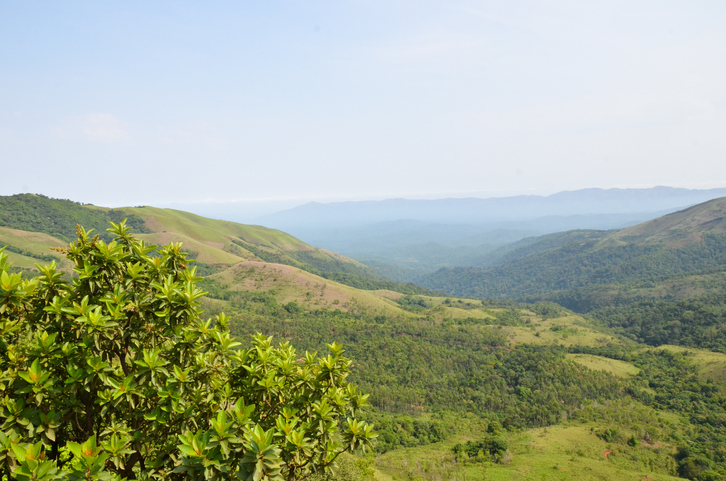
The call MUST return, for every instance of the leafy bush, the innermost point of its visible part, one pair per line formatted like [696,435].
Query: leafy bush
[116,375]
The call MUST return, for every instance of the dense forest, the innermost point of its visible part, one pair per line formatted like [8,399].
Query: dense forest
[578,264]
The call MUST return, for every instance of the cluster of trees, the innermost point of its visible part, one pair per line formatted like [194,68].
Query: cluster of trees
[608,282]
[669,381]
[464,366]
[115,375]
[403,430]
[697,322]
[492,447]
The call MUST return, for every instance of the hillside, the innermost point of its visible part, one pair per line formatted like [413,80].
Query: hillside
[31,224]
[657,282]
[687,242]
[562,390]
[25,249]
[58,217]
[679,228]
[217,242]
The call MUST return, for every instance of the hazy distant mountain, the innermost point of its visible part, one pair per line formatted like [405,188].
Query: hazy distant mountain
[405,239]
[497,209]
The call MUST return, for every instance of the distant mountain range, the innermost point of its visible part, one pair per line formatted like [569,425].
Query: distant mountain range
[405,239]
[492,210]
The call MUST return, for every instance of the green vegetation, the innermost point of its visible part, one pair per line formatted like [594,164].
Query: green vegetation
[459,388]
[580,264]
[214,244]
[659,282]
[58,217]
[115,375]
[693,322]
[369,284]
[442,377]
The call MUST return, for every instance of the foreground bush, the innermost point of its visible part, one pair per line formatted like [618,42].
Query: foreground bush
[115,375]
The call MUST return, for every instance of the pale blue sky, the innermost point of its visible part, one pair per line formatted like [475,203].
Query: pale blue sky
[120,103]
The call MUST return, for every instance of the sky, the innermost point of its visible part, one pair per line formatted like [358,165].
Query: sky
[253,103]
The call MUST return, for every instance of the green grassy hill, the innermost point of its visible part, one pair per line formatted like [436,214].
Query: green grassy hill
[25,249]
[567,452]
[679,228]
[59,217]
[214,244]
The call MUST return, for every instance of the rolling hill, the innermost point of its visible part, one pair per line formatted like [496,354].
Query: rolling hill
[406,239]
[31,224]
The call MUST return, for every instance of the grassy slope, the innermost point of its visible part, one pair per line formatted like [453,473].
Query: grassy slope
[615,367]
[221,242]
[214,243]
[33,242]
[569,330]
[711,365]
[310,291]
[685,226]
[58,217]
[677,256]
[210,241]
[215,232]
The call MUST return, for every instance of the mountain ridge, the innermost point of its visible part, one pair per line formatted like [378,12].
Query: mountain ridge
[520,207]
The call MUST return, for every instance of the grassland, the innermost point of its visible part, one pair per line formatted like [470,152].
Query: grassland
[568,330]
[311,292]
[36,248]
[212,231]
[29,224]
[571,452]
[615,367]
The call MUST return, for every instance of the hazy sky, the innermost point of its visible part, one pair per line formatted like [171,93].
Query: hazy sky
[125,103]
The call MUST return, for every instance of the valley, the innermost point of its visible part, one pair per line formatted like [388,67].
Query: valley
[585,354]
